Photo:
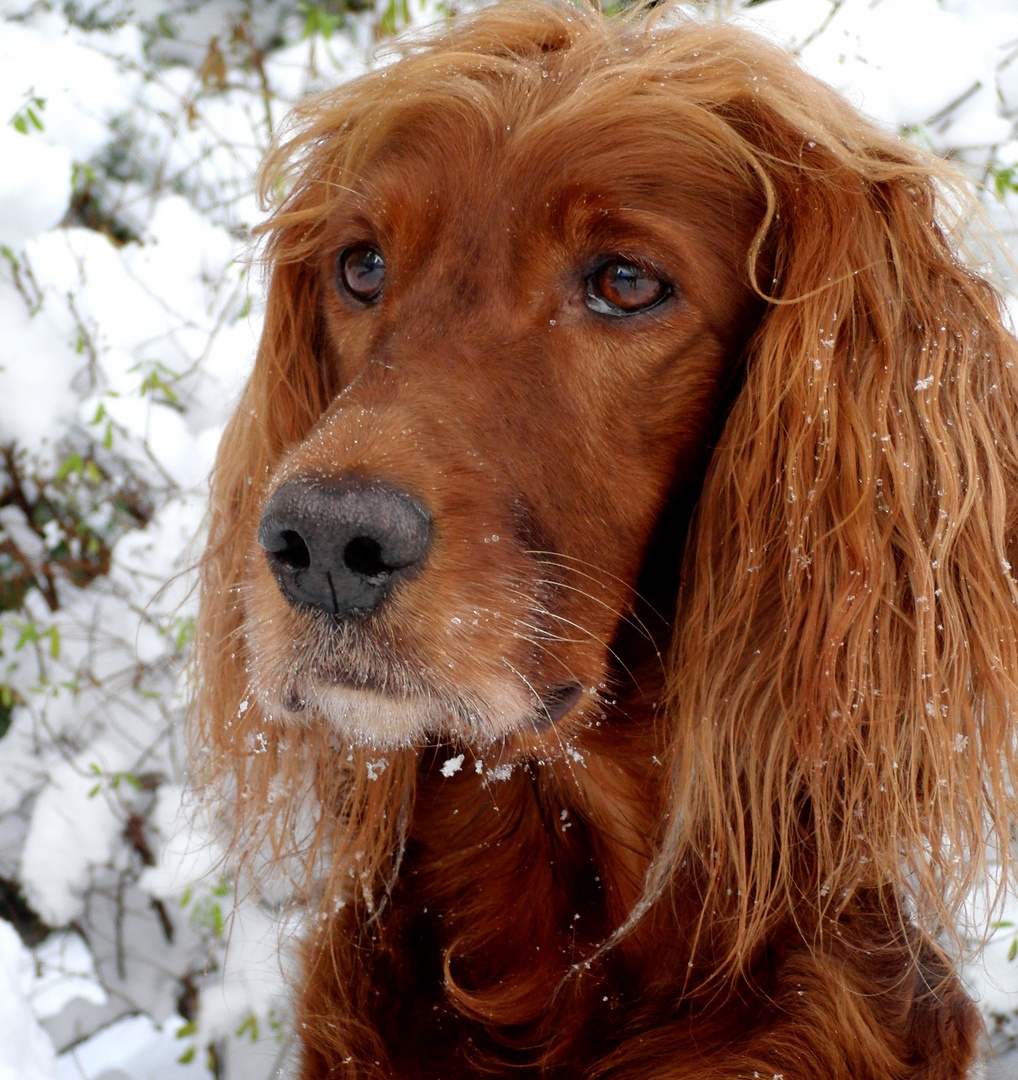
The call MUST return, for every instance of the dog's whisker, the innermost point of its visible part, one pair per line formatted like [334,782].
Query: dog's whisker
[570,564]
[628,616]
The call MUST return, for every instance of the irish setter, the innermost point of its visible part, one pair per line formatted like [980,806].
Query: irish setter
[608,618]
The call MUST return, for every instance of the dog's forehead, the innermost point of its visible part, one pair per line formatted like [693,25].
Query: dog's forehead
[637,141]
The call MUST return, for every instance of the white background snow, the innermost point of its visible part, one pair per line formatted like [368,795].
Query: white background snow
[129,311]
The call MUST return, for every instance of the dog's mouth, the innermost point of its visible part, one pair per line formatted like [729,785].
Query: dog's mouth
[367,708]
[342,676]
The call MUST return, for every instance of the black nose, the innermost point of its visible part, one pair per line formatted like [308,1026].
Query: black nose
[339,545]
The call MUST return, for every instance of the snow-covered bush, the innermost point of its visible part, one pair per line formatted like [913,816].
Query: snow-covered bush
[129,311]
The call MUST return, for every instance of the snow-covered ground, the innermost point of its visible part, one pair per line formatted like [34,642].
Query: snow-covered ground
[129,137]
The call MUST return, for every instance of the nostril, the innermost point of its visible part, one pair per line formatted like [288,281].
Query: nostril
[293,551]
[363,555]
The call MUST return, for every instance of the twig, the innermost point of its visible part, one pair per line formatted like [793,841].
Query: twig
[836,6]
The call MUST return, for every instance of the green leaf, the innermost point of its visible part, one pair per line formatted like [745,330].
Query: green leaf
[1012,952]
[71,464]
[317,20]
[181,631]
[1005,181]
[28,116]
[395,17]
[249,1025]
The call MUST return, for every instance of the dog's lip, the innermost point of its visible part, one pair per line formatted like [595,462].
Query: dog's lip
[558,701]
[555,703]
[295,695]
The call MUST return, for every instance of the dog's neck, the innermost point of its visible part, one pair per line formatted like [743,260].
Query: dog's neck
[516,872]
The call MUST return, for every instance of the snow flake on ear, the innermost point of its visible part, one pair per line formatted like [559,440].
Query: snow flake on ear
[572,752]
[499,772]
[376,768]
[453,765]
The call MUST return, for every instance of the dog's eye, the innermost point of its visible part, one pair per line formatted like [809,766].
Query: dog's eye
[623,288]
[360,271]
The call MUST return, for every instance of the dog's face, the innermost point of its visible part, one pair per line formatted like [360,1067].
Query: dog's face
[529,327]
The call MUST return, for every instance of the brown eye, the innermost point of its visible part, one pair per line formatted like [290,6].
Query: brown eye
[623,288]
[360,271]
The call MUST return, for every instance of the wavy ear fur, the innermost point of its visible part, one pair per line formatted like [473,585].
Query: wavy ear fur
[843,684]
[291,794]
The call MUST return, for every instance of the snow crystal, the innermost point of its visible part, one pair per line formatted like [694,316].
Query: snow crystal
[453,765]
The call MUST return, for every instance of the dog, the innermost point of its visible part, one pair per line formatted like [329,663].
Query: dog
[608,618]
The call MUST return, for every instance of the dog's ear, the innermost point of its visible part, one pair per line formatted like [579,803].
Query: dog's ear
[277,778]
[284,396]
[843,688]
[234,746]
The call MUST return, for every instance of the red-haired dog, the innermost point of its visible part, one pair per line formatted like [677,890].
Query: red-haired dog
[609,604]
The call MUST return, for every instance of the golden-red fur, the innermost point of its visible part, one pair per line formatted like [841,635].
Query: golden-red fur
[764,529]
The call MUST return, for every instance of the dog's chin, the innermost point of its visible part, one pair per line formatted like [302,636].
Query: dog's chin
[366,716]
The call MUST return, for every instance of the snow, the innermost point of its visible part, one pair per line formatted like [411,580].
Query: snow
[882,57]
[26,1052]
[33,197]
[73,827]
[130,319]
[188,854]
[453,765]
[63,971]
[115,1047]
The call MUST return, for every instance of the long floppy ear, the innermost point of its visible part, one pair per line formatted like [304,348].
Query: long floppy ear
[292,797]
[280,403]
[843,689]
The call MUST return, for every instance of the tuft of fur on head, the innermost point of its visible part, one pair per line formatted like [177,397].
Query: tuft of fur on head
[841,701]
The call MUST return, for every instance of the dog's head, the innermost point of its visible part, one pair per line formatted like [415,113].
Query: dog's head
[557,303]
[523,307]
